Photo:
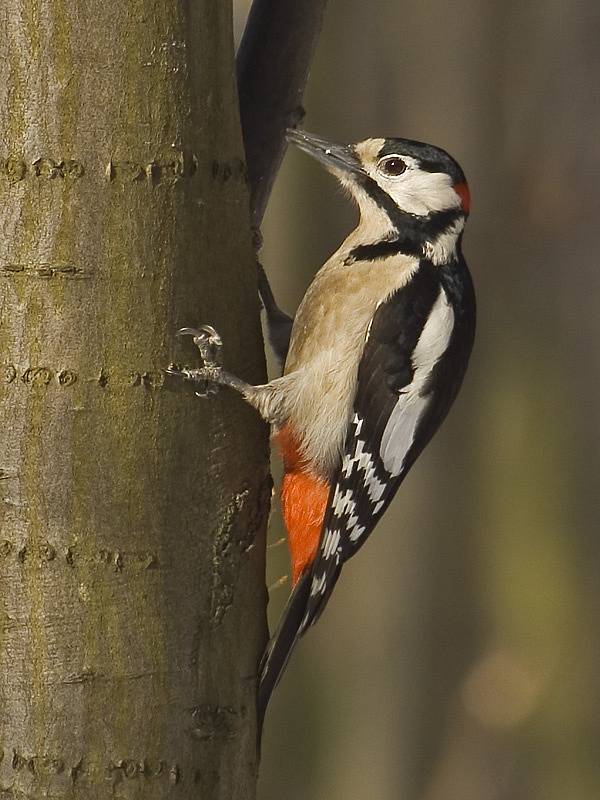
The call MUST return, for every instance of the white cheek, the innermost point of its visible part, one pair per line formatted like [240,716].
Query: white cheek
[420,192]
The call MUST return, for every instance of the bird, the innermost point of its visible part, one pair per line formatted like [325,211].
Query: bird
[374,359]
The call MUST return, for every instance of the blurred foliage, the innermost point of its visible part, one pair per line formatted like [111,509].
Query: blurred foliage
[459,658]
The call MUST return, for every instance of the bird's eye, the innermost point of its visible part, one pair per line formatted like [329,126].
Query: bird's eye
[393,165]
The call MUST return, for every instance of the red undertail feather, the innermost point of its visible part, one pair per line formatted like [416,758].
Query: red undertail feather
[303,500]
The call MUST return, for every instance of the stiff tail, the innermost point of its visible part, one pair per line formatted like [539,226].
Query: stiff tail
[281,645]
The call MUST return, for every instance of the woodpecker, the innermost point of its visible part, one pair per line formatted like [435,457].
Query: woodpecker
[378,351]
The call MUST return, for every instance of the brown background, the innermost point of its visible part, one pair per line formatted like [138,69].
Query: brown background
[459,657]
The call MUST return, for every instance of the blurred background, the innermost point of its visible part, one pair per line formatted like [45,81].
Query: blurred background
[459,658]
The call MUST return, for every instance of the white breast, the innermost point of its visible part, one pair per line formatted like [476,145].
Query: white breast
[327,342]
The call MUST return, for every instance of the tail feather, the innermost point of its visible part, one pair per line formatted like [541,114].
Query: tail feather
[282,643]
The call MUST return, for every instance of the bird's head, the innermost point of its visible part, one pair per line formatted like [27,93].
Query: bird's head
[398,184]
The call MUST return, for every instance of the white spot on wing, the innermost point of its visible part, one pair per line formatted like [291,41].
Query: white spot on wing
[365,463]
[342,503]
[362,459]
[399,432]
[356,533]
[331,542]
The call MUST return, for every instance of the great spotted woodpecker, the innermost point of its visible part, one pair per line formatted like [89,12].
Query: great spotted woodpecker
[378,351]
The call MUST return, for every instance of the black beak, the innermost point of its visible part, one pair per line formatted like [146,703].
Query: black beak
[340,157]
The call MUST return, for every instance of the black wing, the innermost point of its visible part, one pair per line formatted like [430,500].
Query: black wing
[413,363]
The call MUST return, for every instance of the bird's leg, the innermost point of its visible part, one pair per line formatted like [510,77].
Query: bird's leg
[265,398]
[211,375]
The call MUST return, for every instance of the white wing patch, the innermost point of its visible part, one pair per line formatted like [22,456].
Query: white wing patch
[434,339]
[399,432]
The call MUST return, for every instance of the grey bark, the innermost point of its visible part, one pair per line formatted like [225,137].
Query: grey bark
[132,519]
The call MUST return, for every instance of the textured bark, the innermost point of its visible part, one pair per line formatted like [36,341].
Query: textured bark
[132,597]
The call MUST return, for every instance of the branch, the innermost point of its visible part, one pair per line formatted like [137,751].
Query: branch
[273,62]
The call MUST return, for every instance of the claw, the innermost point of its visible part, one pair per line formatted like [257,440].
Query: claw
[208,342]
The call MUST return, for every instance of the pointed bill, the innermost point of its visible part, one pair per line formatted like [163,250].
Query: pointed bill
[341,157]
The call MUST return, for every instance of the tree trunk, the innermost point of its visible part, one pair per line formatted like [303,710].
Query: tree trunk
[132,593]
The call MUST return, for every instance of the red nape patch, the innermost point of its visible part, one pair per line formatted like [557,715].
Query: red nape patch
[303,501]
[462,190]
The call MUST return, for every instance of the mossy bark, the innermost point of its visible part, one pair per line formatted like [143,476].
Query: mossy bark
[131,518]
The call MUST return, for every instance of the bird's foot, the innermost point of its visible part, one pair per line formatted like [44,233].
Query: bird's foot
[207,378]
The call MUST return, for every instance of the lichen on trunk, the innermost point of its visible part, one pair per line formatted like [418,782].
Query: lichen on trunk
[131,518]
